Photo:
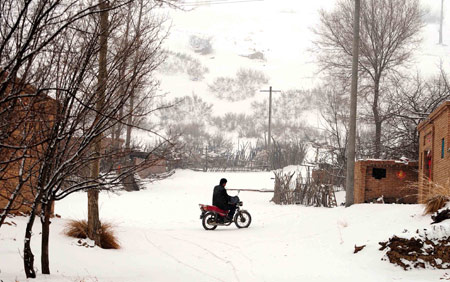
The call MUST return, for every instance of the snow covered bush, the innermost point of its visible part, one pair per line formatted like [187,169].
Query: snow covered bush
[183,63]
[245,85]
[201,44]
[243,124]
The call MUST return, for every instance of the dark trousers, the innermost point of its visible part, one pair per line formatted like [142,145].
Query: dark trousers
[231,210]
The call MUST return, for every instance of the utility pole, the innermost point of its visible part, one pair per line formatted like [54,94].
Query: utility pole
[270,114]
[269,135]
[353,105]
[441,22]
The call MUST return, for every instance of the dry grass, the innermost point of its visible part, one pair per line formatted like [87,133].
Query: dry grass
[437,196]
[433,204]
[78,229]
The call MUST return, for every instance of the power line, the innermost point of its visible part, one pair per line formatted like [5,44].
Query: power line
[216,2]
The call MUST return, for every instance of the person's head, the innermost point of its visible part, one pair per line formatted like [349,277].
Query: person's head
[223,181]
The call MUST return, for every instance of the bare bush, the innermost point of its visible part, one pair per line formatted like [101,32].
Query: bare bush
[246,84]
[243,124]
[289,191]
[184,63]
[201,44]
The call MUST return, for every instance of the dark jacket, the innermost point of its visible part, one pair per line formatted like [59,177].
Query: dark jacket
[221,198]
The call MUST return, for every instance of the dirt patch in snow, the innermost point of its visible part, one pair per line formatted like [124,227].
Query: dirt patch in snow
[418,252]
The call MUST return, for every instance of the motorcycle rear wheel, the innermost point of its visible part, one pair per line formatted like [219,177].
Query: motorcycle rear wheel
[243,219]
[208,221]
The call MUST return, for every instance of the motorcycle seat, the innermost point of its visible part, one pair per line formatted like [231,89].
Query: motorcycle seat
[214,209]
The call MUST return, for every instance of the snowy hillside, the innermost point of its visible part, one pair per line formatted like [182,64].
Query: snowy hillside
[162,238]
[281,31]
[271,37]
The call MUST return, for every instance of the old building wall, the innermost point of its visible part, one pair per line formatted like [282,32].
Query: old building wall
[394,181]
[28,128]
[154,167]
[434,159]
[360,179]
[441,158]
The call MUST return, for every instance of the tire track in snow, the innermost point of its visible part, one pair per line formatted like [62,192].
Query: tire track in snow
[234,247]
[210,252]
[179,261]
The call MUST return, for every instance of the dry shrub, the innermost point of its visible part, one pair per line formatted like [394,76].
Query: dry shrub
[437,196]
[78,229]
[436,203]
[108,239]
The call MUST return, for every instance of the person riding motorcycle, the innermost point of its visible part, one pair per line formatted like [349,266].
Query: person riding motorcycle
[221,199]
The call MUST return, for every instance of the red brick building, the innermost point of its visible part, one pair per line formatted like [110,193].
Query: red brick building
[392,180]
[434,159]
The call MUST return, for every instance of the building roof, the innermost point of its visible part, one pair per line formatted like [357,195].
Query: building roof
[387,163]
[445,105]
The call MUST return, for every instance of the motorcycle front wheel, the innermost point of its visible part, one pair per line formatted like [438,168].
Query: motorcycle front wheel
[208,221]
[243,219]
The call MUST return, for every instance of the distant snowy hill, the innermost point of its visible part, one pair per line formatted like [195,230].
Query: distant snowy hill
[273,37]
[278,29]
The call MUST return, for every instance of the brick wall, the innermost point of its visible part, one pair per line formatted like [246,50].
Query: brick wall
[431,133]
[154,167]
[28,125]
[397,183]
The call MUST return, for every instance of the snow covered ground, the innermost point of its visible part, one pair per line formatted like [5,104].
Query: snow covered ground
[162,238]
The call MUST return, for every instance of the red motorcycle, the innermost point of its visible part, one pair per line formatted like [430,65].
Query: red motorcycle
[212,216]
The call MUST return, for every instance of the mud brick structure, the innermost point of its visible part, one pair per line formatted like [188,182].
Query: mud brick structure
[392,180]
[434,158]
[30,124]
[150,164]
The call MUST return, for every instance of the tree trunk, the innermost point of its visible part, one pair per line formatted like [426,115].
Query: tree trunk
[47,210]
[28,257]
[136,59]
[377,118]
[130,121]
[122,77]
[93,217]
[441,21]
[93,213]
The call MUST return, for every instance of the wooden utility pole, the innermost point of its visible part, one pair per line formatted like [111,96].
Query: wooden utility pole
[351,149]
[441,22]
[269,135]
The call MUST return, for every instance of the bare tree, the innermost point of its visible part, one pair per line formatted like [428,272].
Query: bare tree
[414,98]
[441,22]
[49,89]
[335,114]
[389,35]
